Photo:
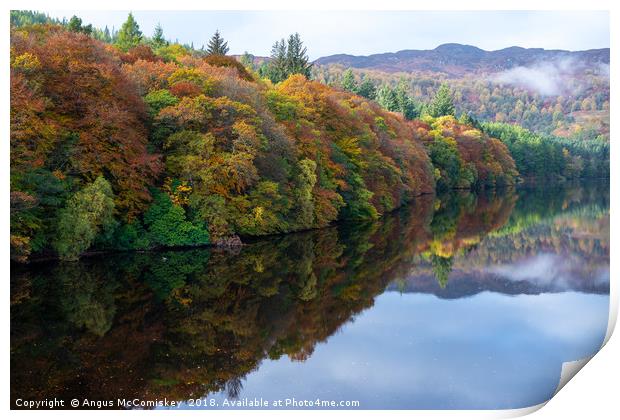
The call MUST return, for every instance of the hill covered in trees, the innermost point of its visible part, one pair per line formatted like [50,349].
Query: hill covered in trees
[130,142]
[564,93]
[157,147]
[457,60]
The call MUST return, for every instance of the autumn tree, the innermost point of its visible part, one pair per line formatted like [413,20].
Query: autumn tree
[307,181]
[94,128]
[447,162]
[194,149]
[88,212]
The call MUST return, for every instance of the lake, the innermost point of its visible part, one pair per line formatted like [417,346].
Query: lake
[461,301]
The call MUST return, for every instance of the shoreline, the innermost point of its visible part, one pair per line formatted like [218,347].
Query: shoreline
[245,240]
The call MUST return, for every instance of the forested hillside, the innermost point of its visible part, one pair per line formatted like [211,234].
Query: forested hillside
[127,142]
[564,93]
[134,149]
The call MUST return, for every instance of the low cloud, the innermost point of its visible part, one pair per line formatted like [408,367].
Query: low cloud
[543,269]
[546,78]
[555,271]
[603,69]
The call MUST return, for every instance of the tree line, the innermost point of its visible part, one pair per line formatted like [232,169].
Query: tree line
[584,113]
[170,146]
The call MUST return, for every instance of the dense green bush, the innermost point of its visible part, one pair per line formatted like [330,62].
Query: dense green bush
[167,225]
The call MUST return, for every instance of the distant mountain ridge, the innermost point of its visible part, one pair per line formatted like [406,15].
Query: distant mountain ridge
[458,59]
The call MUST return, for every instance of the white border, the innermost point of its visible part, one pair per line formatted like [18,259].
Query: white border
[594,394]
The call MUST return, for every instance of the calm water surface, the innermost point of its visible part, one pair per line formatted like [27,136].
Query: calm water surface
[459,301]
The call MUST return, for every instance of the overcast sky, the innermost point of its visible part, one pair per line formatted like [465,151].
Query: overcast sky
[369,32]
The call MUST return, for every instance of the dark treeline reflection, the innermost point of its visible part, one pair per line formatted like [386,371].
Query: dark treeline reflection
[185,323]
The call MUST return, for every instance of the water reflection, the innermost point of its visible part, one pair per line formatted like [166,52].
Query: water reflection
[425,308]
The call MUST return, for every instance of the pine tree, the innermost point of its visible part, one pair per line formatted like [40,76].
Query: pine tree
[130,35]
[75,24]
[88,29]
[217,45]
[277,68]
[386,97]
[158,37]
[287,58]
[106,35]
[264,70]
[367,89]
[442,104]
[114,35]
[406,105]
[468,119]
[297,61]
[247,60]
[348,81]
[442,266]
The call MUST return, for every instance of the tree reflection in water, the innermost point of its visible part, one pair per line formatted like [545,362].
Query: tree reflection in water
[186,323]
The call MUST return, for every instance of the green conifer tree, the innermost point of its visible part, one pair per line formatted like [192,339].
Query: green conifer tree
[405,103]
[348,81]
[106,35]
[442,266]
[217,45]
[277,68]
[386,97]
[158,37]
[442,104]
[247,60]
[75,24]
[130,35]
[297,61]
[367,89]
[287,58]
